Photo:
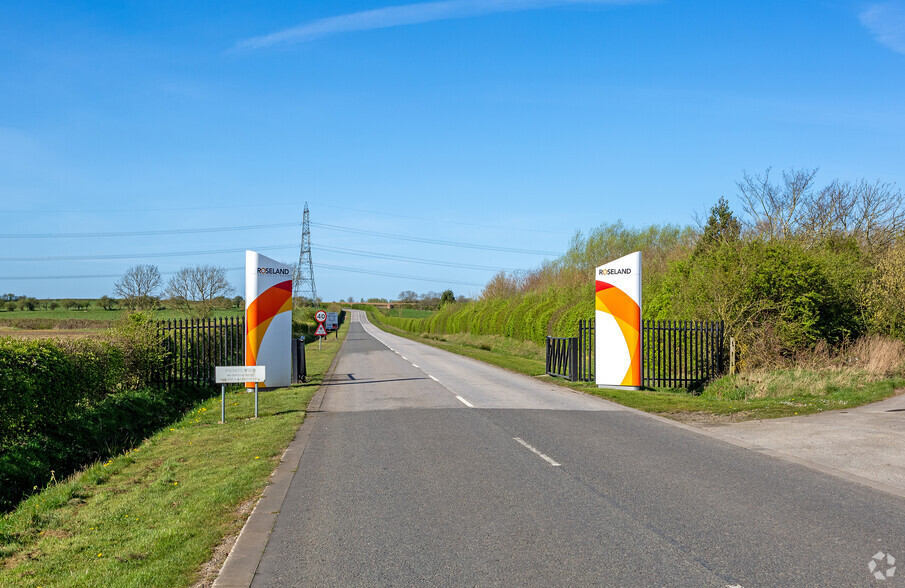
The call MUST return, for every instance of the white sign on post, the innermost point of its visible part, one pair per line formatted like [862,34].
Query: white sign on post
[236,374]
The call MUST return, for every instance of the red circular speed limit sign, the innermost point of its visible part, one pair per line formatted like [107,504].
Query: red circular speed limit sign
[320,316]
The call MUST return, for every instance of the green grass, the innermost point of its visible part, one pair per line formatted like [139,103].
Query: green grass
[773,394]
[153,515]
[408,313]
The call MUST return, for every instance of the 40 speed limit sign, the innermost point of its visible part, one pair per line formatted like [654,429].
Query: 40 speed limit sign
[320,316]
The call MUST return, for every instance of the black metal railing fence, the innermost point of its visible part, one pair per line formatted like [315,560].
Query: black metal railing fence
[195,346]
[682,354]
[675,354]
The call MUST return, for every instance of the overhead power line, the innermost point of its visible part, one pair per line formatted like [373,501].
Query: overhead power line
[317,265]
[259,205]
[360,253]
[446,221]
[143,255]
[433,241]
[389,275]
[256,205]
[90,276]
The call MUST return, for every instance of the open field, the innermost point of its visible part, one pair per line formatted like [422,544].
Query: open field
[95,313]
[49,333]
[158,515]
[408,313]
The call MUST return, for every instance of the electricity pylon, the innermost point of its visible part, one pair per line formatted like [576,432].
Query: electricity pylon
[303,282]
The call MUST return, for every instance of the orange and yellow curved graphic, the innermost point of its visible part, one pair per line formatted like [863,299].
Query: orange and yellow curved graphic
[259,315]
[625,310]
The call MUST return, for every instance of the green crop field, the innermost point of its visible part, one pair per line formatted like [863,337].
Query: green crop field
[409,313]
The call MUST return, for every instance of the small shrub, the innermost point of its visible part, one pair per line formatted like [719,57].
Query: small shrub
[143,354]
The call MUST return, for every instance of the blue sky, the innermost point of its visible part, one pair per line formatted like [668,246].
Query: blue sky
[504,124]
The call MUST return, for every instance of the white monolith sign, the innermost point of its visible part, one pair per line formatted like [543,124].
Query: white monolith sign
[268,318]
[618,322]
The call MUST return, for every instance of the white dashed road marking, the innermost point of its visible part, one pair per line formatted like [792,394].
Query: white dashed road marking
[546,458]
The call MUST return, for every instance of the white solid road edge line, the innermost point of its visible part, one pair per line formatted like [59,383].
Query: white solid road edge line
[546,458]
[433,378]
[465,402]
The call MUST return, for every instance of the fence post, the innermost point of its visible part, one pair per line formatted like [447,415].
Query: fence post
[573,359]
[731,356]
[547,355]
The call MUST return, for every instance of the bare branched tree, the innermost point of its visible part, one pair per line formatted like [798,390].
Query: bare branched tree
[871,213]
[777,211]
[197,289]
[138,287]
[407,296]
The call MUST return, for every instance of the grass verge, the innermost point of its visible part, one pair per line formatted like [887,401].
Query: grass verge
[760,395]
[154,515]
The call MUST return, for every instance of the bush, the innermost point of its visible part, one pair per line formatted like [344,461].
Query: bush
[66,403]
[776,293]
[42,383]
[143,354]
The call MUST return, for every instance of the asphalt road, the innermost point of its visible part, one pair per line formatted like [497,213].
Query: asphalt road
[426,468]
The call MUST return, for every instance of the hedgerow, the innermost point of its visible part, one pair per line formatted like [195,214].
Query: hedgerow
[66,403]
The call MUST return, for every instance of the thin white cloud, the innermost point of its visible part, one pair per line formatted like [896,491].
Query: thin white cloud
[886,22]
[408,14]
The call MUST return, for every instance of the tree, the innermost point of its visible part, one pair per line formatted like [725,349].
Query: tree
[407,296]
[447,298]
[429,299]
[238,301]
[54,305]
[502,285]
[27,303]
[107,303]
[195,289]
[886,291]
[874,214]
[721,227]
[138,287]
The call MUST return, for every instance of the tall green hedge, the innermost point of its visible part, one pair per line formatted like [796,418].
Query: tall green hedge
[529,317]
